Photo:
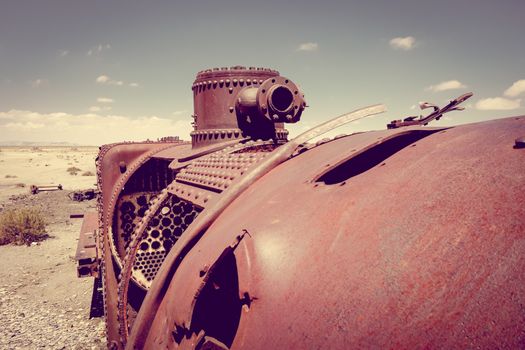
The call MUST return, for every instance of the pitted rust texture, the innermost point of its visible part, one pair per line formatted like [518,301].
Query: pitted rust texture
[153,176]
[419,251]
[413,221]
[233,103]
[105,208]
[207,79]
[256,148]
[141,187]
[198,196]
[208,136]
[86,253]
[189,195]
[205,178]
[125,318]
[123,179]
[163,231]
[218,171]
[130,209]
[436,114]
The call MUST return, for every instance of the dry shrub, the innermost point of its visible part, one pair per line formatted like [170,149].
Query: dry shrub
[11,176]
[88,173]
[22,226]
[20,184]
[73,170]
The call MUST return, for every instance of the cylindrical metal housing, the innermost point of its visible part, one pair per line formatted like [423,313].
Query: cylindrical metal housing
[215,92]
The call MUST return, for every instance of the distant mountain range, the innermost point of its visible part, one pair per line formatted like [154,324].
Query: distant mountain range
[39,144]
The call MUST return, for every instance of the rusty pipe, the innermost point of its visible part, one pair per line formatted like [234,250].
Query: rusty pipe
[277,99]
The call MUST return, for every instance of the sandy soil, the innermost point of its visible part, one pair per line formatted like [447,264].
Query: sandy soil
[26,166]
[42,302]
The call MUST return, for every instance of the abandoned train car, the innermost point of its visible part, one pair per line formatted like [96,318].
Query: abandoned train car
[407,237]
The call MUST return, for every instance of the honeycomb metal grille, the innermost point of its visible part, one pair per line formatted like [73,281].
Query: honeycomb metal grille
[131,209]
[145,183]
[164,229]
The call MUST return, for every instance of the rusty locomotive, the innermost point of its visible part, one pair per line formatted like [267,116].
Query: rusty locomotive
[408,237]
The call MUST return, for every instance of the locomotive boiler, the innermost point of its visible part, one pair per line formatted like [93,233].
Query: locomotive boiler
[407,237]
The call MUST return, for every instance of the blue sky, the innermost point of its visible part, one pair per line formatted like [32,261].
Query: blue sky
[92,72]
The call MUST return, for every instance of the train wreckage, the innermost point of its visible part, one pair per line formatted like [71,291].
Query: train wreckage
[407,237]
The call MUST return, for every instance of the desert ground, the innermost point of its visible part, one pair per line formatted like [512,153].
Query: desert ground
[42,302]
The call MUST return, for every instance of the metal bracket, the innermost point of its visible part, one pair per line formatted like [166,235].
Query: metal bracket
[87,254]
[435,115]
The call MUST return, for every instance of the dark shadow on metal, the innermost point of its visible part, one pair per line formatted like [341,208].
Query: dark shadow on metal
[371,157]
[217,307]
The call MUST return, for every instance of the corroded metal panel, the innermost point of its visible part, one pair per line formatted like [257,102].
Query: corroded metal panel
[424,249]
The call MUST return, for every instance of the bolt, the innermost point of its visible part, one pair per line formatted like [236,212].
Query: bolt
[122,167]
[519,142]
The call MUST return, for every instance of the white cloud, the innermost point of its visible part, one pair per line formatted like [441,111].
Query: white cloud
[517,88]
[308,47]
[447,85]
[497,104]
[105,100]
[403,43]
[63,53]
[181,112]
[106,80]
[102,79]
[38,83]
[88,129]
[99,108]
[24,125]
[98,49]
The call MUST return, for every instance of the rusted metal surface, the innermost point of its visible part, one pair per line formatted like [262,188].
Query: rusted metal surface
[232,103]
[401,238]
[84,195]
[436,114]
[110,185]
[519,142]
[87,254]
[197,229]
[34,189]
[357,265]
